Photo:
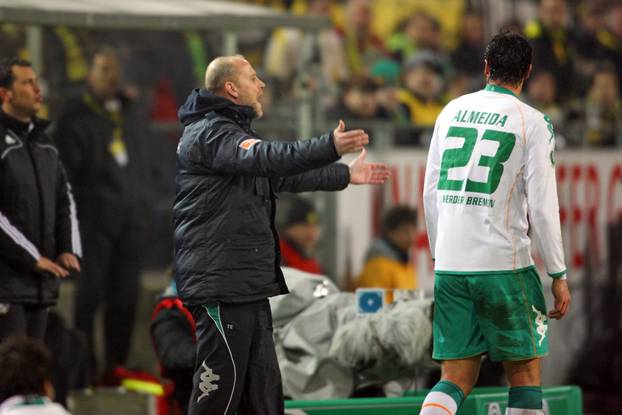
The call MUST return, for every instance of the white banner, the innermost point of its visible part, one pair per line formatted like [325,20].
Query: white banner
[590,196]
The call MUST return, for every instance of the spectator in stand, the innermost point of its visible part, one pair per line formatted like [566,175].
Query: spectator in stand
[362,47]
[554,45]
[292,51]
[299,232]
[387,73]
[423,88]
[541,95]
[468,55]
[102,144]
[597,120]
[359,101]
[416,33]
[388,263]
[610,37]
[26,378]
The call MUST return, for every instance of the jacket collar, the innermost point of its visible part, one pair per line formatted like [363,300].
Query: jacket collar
[30,130]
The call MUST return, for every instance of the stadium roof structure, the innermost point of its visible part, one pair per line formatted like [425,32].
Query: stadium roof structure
[153,14]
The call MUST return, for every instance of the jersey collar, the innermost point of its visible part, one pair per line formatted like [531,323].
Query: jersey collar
[499,89]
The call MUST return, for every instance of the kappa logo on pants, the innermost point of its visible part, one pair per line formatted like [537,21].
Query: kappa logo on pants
[207,377]
[5,308]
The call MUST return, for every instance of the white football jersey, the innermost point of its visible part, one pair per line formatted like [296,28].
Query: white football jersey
[490,185]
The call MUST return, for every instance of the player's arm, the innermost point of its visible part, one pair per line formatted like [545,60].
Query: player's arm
[543,208]
[430,189]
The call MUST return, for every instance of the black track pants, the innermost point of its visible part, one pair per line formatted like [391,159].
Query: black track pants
[236,370]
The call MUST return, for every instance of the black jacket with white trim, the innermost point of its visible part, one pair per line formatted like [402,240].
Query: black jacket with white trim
[37,213]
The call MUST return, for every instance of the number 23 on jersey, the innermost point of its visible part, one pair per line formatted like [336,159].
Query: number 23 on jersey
[460,157]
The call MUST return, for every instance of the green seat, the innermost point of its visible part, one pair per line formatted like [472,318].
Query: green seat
[558,400]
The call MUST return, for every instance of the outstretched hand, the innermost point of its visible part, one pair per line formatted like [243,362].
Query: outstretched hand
[362,172]
[348,141]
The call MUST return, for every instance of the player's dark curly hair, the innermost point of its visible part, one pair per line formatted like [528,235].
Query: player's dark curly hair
[508,55]
[25,365]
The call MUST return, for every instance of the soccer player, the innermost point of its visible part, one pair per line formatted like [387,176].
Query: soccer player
[489,187]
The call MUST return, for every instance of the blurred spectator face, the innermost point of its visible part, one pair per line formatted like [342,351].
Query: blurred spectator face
[604,88]
[361,102]
[319,7]
[473,29]
[421,29]
[553,13]
[359,15]
[541,88]
[403,236]
[305,236]
[104,75]
[615,20]
[424,82]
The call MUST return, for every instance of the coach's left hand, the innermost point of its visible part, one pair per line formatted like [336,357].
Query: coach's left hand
[362,172]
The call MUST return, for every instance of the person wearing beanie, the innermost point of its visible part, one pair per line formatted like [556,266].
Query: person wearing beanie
[300,233]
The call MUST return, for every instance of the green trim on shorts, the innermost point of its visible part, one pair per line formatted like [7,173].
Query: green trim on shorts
[500,272]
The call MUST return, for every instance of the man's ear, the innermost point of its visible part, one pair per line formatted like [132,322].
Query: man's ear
[231,89]
[486,69]
[5,94]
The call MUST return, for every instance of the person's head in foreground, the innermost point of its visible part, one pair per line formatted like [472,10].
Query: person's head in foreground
[25,368]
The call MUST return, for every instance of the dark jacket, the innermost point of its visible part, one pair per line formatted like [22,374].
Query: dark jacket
[110,195]
[226,244]
[37,212]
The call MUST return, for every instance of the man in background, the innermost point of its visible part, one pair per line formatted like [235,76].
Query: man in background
[39,236]
[103,146]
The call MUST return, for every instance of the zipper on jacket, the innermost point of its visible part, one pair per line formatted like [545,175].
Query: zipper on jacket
[30,149]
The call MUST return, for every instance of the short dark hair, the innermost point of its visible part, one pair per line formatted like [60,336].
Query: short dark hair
[397,216]
[25,366]
[6,70]
[508,55]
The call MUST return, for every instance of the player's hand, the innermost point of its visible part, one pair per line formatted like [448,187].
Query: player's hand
[348,141]
[44,265]
[68,261]
[362,172]
[561,292]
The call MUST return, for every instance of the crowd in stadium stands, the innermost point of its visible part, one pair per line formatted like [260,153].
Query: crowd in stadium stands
[373,64]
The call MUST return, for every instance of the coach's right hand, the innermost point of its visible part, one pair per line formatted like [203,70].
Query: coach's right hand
[45,265]
[349,141]
[561,293]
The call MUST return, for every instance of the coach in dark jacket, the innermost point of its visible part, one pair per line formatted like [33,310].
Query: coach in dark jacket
[39,238]
[226,245]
